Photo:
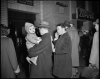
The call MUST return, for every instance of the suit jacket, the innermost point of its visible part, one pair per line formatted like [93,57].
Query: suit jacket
[94,56]
[62,57]
[75,45]
[44,61]
[8,58]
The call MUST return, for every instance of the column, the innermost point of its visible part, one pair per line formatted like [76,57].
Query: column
[4,12]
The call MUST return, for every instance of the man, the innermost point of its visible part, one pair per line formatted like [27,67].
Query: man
[44,52]
[62,55]
[75,47]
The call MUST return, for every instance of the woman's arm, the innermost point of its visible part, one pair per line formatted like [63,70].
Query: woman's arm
[12,56]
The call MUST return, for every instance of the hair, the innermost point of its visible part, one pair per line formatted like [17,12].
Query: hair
[61,24]
[67,24]
[4,30]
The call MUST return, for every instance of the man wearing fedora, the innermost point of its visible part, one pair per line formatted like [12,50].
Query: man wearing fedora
[44,52]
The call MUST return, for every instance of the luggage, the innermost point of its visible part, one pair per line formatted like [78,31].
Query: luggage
[90,73]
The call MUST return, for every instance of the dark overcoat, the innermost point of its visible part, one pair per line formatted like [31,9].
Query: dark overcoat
[44,62]
[8,58]
[62,57]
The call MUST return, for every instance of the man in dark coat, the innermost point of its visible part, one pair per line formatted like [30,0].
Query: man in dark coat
[62,56]
[44,52]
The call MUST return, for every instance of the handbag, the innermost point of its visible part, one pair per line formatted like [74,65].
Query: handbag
[90,73]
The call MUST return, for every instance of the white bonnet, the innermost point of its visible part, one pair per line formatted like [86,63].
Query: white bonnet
[27,25]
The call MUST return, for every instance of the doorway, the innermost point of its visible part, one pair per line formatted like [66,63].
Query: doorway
[16,22]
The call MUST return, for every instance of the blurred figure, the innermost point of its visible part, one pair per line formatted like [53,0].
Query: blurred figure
[94,56]
[9,64]
[85,47]
[75,46]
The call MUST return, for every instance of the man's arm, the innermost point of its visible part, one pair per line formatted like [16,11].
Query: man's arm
[38,48]
[31,39]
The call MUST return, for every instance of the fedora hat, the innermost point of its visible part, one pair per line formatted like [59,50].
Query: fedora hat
[44,24]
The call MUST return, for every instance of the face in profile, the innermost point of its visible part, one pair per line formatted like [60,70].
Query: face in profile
[41,30]
[32,29]
[59,30]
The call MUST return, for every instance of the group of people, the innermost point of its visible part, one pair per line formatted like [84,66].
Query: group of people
[64,46]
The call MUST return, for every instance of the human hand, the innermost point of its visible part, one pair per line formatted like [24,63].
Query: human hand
[53,50]
[39,39]
[28,59]
[17,70]
[56,36]
[34,60]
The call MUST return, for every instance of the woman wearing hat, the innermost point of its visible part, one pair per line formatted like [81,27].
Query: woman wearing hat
[62,56]
[9,63]
[94,56]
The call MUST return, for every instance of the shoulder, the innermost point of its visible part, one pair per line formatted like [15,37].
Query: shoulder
[47,35]
[6,40]
[66,35]
[10,40]
[96,34]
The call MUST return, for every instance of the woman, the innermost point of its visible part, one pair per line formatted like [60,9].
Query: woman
[62,56]
[94,56]
[9,63]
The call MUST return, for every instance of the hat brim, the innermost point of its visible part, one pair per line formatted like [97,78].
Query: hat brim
[43,26]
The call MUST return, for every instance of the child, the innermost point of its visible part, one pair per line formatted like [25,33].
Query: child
[31,40]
